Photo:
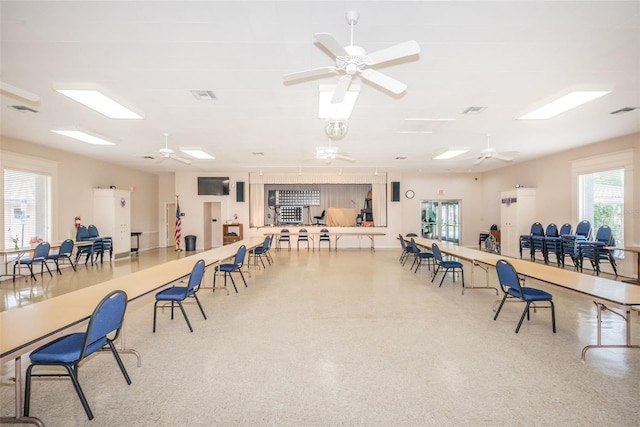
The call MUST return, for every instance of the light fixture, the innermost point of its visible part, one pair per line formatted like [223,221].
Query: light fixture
[299,171]
[94,97]
[376,172]
[449,153]
[260,173]
[336,128]
[564,103]
[84,136]
[327,110]
[197,153]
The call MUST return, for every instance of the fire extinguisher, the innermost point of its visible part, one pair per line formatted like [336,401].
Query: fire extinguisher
[77,222]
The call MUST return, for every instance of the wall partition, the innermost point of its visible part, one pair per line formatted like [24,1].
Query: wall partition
[293,199]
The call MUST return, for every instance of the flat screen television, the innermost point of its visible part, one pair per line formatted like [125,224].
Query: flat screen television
[213,186]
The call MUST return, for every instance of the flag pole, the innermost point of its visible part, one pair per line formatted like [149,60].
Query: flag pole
[178,233]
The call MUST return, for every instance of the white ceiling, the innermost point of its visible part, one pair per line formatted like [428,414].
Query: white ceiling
[506,56]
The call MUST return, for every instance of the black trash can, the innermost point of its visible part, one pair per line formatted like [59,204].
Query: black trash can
[190,243]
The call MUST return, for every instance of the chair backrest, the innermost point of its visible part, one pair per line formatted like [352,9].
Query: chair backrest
[414,246]
[604,235]
[494,227]
[536,229]
[322,214]
[239,259]
[437,255]
[284,236]
[325,236]
[551,231]
[195,278]
[584,229]
[565,229]
[82,233]
[402,242]
[302,234]
[507,276]
[266,243]
[106,318]
[93,231]
[66,248]
[41,251]
[412,235]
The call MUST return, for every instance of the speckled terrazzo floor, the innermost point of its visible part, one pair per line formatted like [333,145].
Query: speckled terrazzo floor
[354,339]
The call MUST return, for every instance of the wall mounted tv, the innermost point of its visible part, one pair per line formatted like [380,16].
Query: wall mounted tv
[213,186]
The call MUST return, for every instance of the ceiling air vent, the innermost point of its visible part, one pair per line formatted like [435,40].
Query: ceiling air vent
[204,95]
[474,110]
[624,110]
[24,108]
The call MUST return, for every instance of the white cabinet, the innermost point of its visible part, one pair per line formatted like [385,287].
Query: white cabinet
[112,216]
[517,213]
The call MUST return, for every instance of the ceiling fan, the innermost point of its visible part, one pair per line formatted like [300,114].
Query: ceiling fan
[330,153]
[492,153]
[167,153]
[353,60]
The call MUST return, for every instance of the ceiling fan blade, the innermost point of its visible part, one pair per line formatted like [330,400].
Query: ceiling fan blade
[341,89]
[502,157]
[479,160]
[400,50]
[332,45]
[180,159]
[344,157]
[315,72]
[384,81]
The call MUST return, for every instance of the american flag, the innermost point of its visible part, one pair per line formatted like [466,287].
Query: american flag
[178,225]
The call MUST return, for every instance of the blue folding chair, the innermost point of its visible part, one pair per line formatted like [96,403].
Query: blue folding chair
[40,254]
[446,264]
[510,285]
[65,251]
[227,269]
[68,351]
[177,294]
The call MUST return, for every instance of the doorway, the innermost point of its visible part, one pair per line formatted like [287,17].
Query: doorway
[441,220]
[212,225]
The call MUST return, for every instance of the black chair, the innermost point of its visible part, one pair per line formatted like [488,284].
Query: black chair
[68,351]
[553,245]
[40,254]
[65,251]
[324,237]
[318,219]
[510,285]
[227,269]
[526,240]
[420,255]
[177,294]
[595,250]
[303,237]
[446,264]
[284,237]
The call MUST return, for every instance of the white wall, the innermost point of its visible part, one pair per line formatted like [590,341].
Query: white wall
[78,176]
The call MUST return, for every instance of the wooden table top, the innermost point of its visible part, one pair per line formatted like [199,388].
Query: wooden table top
[597,288]
[23,328]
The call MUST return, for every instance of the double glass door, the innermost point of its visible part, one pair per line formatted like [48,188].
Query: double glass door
[441,220]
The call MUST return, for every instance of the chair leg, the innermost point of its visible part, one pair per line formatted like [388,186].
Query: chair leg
[184,313]
[504,298]
[44,263]
[232,281]
[119,361]
[443,276]
[525,312]
[200,305]
[155,310]
[435,273]
[242,275]
[553,316]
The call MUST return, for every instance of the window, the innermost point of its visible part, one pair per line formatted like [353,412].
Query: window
[27,207]
[601,201]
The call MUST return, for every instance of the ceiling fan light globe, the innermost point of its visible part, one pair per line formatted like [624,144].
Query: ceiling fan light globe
[336,129]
